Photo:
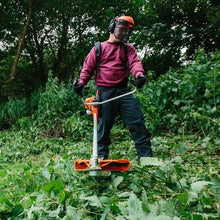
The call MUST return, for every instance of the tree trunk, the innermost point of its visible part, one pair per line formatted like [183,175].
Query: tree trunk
[21,42]
[62,50]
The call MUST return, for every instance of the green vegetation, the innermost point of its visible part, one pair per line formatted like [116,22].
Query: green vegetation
[38,180]
[60,34]
[44,128]
[50,130]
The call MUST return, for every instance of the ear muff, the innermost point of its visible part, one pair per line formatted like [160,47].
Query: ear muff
[112,25]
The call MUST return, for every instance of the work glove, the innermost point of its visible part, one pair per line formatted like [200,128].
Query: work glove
[141,79]
[78,87]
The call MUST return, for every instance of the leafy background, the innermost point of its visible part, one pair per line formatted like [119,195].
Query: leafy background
[181,181]
[44,128]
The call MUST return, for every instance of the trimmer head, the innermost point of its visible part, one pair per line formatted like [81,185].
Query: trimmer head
[120,165]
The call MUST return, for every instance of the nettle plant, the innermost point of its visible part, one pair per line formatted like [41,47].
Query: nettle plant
[188,99]
[58,110]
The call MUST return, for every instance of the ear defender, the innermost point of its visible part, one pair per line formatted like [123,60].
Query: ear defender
[112,25]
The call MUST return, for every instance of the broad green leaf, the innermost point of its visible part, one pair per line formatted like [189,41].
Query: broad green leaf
[123,208]
[193,196]
[158,92]
[107,209]
[177,102]
[207,93]
[169,207]
[48,187]
[123,194]
[138,216]
[17,209]
[7,202]
[72,214]
[214,109]
[46,173]
[164,207]
[93,200]
[151,161]
[197,186]
[181,182]
[55,186]
[197,216]
[183,197]
[117,181]
[105,200]
[62,196]
[181,149]
[55,213]
[145,204]
[58,186]
[135,187]
[216,185]
[134,205]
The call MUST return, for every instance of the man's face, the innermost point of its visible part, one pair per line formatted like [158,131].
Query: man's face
[120,31]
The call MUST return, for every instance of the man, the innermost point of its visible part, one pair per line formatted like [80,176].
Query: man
[111,78]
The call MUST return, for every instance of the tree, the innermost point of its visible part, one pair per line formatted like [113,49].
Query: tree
[62,32]
[21,42]
[170,27]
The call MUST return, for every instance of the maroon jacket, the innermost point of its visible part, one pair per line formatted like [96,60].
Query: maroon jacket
[113,67]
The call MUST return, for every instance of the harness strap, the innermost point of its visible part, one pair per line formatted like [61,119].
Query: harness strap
[124,47]
[98,54]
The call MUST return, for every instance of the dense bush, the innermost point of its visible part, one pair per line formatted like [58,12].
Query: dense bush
[58,110]
[182,100]
[187,99]
[12,112]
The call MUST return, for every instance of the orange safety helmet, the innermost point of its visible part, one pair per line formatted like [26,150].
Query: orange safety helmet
[121,19]
[129,19]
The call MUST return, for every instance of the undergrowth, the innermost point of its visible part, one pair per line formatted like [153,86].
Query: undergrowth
[50,130]
[38,180]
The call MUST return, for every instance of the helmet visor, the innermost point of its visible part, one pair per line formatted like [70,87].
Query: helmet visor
[122,32]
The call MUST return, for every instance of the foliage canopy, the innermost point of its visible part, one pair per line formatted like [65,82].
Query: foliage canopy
[61,34]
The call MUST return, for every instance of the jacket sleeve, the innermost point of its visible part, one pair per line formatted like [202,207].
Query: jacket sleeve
[88,68]
[135,64]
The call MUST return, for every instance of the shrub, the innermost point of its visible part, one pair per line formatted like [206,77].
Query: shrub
[12,111]
[56,104]
[189,98]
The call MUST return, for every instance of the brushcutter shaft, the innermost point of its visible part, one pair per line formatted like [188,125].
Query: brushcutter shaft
[95,152]
[94,163]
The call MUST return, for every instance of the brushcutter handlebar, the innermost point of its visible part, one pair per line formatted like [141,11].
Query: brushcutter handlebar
[109,100]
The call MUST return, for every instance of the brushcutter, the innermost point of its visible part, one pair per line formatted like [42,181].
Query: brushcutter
[94,165]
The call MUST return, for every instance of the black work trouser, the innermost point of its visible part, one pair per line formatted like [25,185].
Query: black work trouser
[129,110]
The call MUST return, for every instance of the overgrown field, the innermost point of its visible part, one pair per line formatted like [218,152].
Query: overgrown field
[38,180]
[44,134]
